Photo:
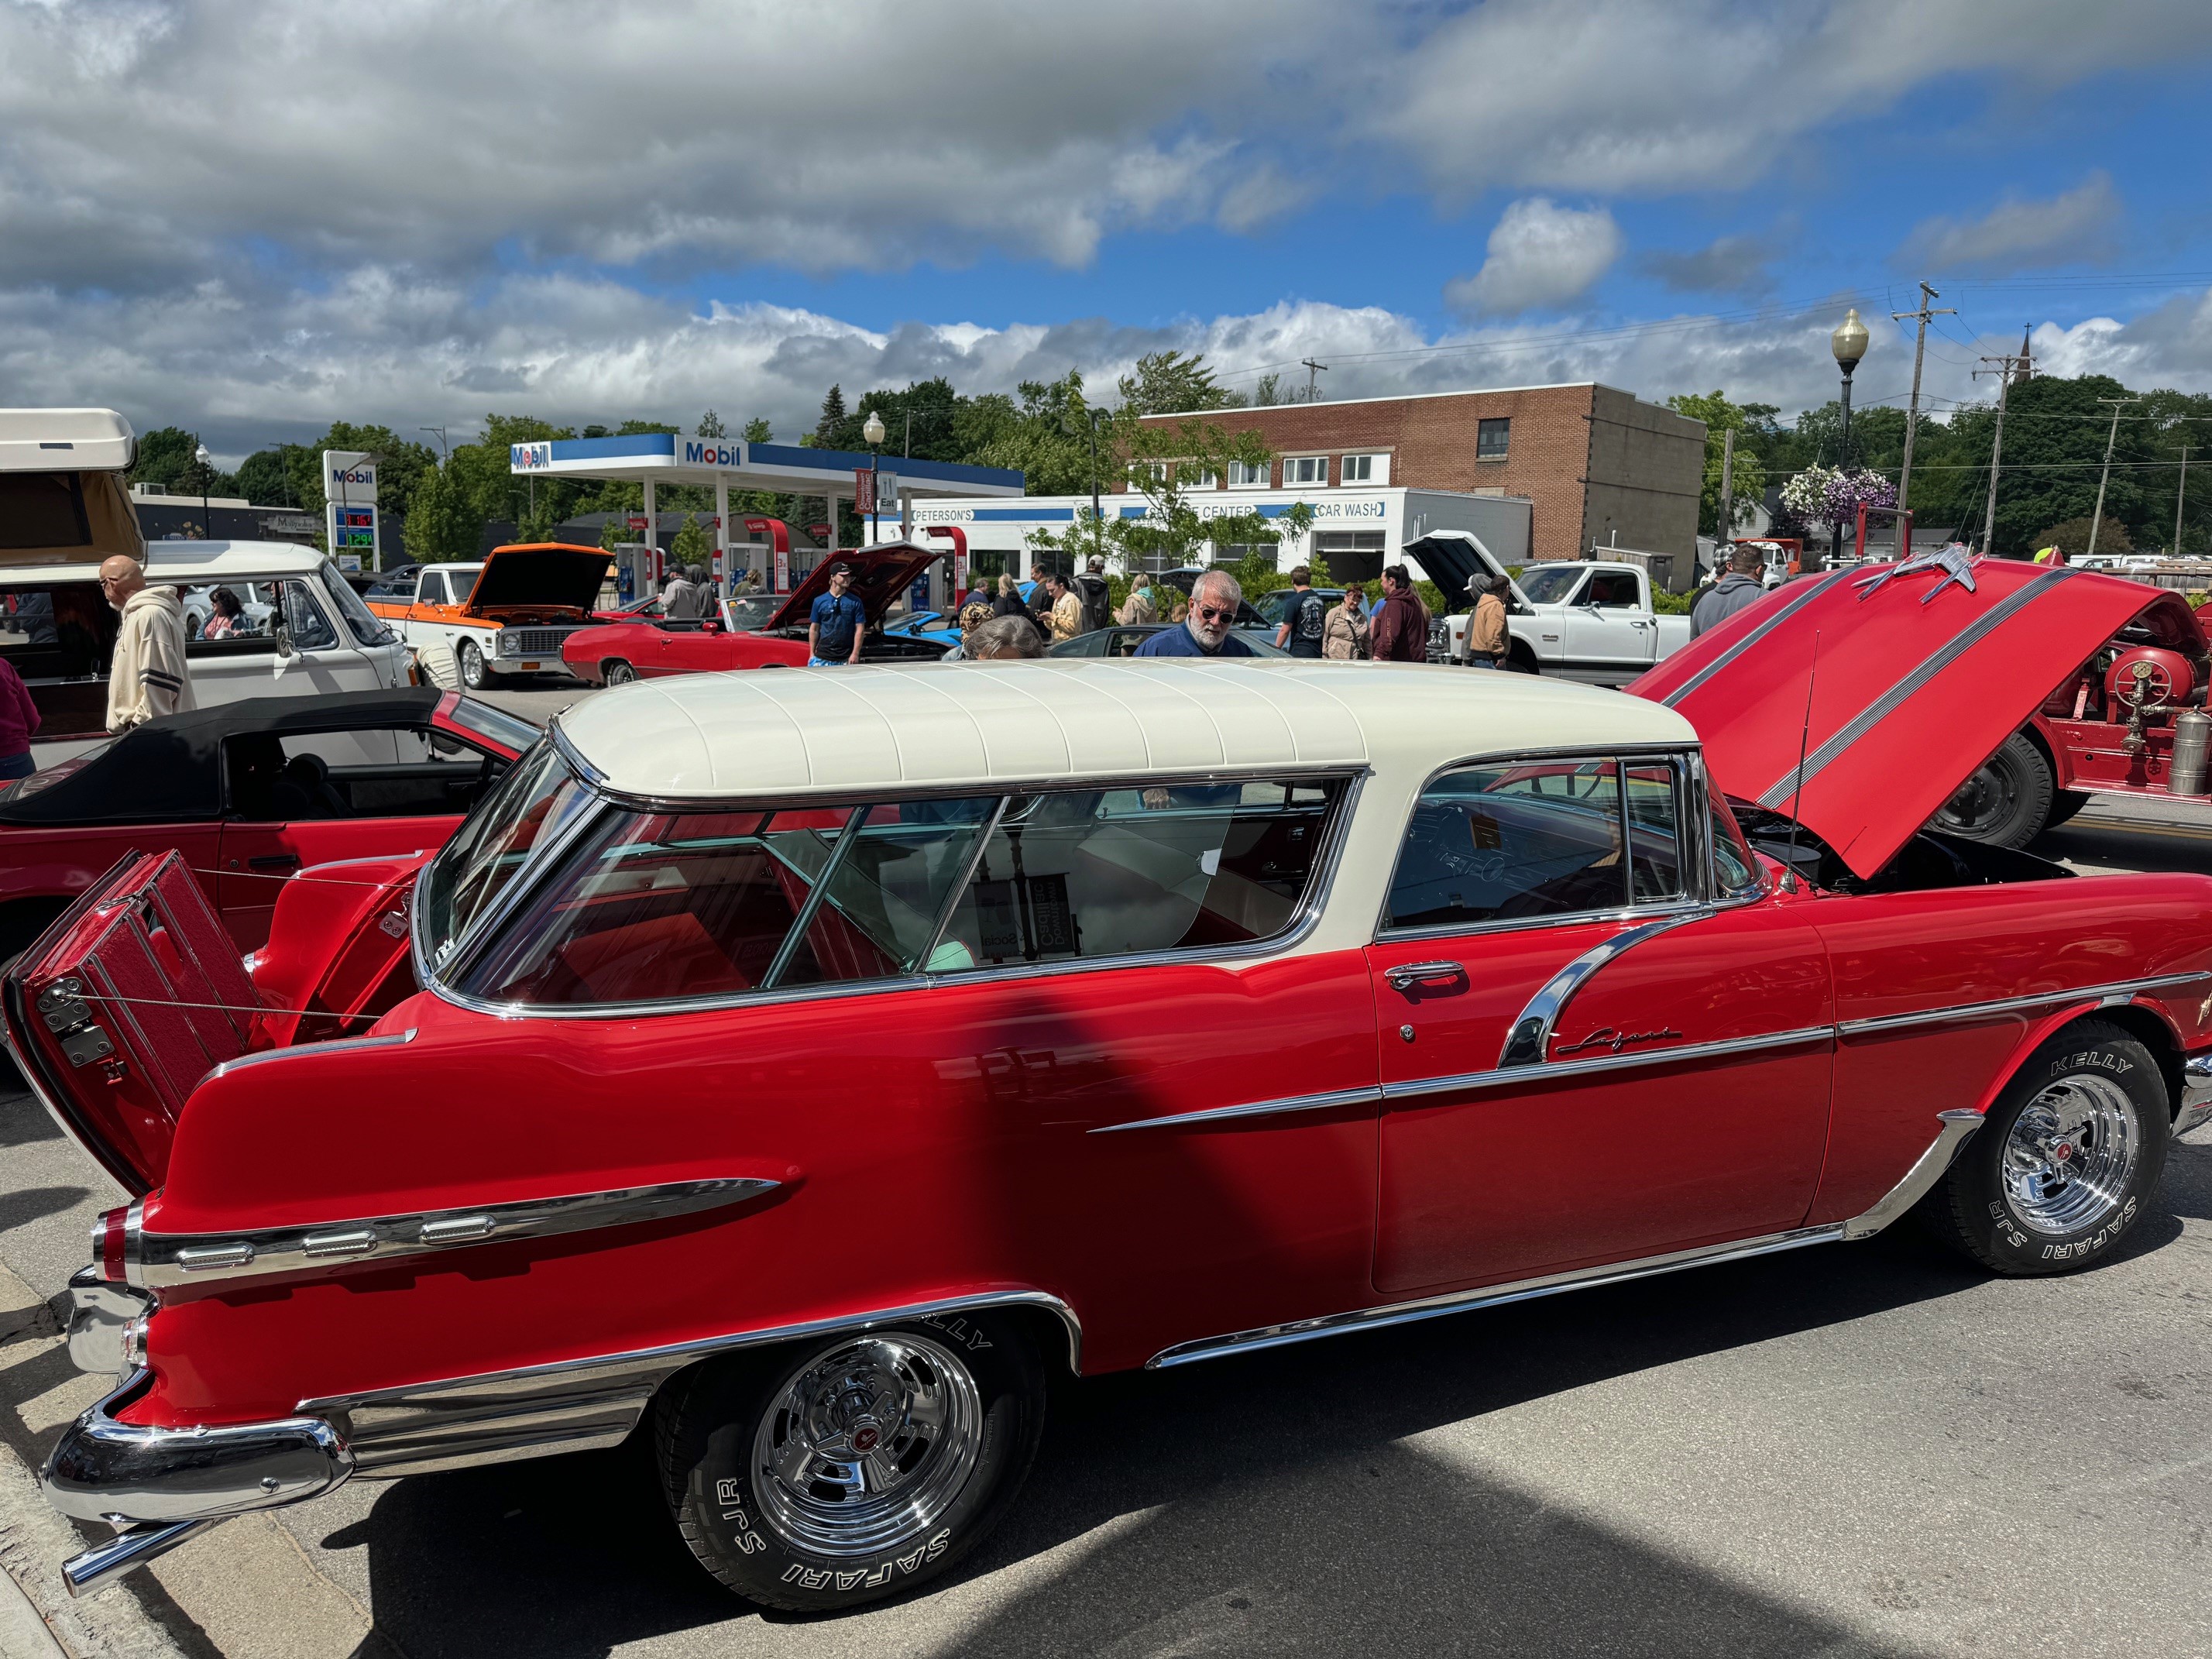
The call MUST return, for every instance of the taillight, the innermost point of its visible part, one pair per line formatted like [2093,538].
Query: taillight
[110,1230]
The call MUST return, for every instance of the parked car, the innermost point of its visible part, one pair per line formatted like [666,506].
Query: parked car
[815,1061]
[468,623]
[249,794]
[397,583]
[58,523]
[2111,725]
[760,630]
[1122,640]
[1581,619]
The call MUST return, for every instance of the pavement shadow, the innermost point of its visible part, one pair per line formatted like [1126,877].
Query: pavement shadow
[23,1120]
[36,1203]
[1264,1504]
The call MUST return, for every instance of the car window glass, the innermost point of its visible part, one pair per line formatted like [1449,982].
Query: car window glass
[511,730]
[651,907]
[360,621]
[1612,590]
[1654,833]
[1733,868]
[537,797]
[1552,584]
[309,629]
[224,618]
[1504,843]
[1089,873]
[52,634]
[352,773]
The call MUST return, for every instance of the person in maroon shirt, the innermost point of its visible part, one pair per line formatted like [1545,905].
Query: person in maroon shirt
[19,722]
[1399,630]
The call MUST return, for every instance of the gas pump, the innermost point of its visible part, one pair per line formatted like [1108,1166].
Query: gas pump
[637,572]
[776,579]
[958,537]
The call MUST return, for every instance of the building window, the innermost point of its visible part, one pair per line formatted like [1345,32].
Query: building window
[1157,470]
[1366,469]
[1305,469]
[1247,475]
[1491,440]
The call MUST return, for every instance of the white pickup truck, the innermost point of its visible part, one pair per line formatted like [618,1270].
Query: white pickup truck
[1581,620]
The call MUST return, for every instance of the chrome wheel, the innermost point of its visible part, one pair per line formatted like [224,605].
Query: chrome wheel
[867,1445]
[618,672]
[2069,1157]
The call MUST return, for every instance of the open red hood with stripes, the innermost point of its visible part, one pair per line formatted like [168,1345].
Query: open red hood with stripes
[1918,672]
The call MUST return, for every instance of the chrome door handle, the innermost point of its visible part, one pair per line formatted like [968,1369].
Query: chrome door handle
[1407,975]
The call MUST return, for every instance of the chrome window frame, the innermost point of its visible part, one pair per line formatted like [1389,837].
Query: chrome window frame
[537,869]
[1691,795]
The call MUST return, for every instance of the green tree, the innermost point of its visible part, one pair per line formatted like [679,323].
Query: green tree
[2073,537]
[440,528]
[758,431]
[264,477]
[1169,383]
[833,420]
[1748,483]
[710,426]
[691,544]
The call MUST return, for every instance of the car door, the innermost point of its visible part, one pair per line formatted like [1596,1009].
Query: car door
[275,826]
[1607,626]
[1588,1053]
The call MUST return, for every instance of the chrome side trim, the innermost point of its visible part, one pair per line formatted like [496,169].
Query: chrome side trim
[1530,1041]
[1926,1171]
[576,1405]
[335,1045]
[1487,1295]
[2194,1109]
[1364,1097]
[99,1567]
[160,1260]
[1805,593]
[1688,909]
[103,1466]
[1887,703]
[1510,1076]
[2123,990]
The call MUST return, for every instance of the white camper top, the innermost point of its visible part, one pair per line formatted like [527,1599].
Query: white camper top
[65,440]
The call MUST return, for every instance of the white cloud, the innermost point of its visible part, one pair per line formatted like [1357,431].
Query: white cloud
[1541,254]
[2018,234]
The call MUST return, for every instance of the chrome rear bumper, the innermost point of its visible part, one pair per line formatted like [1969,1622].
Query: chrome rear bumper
[159,1486]
[2196,1109]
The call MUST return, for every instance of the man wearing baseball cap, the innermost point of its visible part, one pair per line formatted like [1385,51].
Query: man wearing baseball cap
[838,622]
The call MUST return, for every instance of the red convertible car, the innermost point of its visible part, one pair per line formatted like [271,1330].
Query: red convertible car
[872,1044]
[761,630]
[248,794]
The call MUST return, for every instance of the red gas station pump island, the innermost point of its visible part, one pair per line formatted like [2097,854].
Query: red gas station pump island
[760,544]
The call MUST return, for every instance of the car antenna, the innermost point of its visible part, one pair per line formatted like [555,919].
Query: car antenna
[1804,737]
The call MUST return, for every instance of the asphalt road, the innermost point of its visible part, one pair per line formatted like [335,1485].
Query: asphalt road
[1866,1448]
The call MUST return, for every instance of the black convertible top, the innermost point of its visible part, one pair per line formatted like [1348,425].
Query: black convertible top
[169,770]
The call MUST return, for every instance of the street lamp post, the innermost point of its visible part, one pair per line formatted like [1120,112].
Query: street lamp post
[1097,523]
[201,458]
[1849,342]
[873,431]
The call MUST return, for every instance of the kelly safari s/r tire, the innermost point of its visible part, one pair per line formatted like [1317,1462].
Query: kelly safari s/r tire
[827,1476]
[2069,1160]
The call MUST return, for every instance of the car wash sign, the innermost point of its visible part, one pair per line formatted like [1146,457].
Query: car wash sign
[350,520]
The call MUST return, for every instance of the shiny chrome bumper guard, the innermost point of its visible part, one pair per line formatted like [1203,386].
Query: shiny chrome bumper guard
[159,1486]
[2196,1110]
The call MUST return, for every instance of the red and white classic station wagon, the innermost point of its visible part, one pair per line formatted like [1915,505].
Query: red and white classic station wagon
[874,1041]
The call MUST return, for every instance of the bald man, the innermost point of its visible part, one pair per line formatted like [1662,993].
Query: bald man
[148,677]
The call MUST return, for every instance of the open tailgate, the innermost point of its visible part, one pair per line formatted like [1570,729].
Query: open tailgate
[118,1010]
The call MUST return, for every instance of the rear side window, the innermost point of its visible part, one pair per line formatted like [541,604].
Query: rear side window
[43,509]
[660,907]
[1554,838]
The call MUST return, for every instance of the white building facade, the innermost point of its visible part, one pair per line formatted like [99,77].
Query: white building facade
[1357,531]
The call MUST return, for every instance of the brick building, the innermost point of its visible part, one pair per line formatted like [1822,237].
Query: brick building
[1597,464]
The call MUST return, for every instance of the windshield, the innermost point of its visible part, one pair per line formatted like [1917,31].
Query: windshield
[1551,584]
[755,611]
[537,797]
[47,777]
[360,622]
[496,724]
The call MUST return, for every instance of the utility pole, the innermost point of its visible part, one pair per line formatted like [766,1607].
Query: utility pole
[2006,367]
[442,444]
[1312,368]
[2097,519]
[2180,495]
[1728,488]
[1913,410]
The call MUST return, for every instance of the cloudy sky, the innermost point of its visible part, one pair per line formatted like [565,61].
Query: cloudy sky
[251,219]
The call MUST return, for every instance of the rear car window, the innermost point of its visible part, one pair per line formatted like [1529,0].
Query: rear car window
[43,509]
[660,907]
[1555,838]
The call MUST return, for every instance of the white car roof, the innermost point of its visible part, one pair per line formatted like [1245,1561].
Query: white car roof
[65,440]
[211,561]
[936,725]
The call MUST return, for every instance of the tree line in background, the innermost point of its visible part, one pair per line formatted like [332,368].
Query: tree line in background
[2055,431]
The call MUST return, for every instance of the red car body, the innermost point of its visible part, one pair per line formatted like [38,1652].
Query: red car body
[761,631]
[1246,982]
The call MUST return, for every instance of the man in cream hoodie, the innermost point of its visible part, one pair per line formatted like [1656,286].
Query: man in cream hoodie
[149,677]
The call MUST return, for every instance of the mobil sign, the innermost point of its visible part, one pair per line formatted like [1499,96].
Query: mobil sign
[349,475]
[709,451]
